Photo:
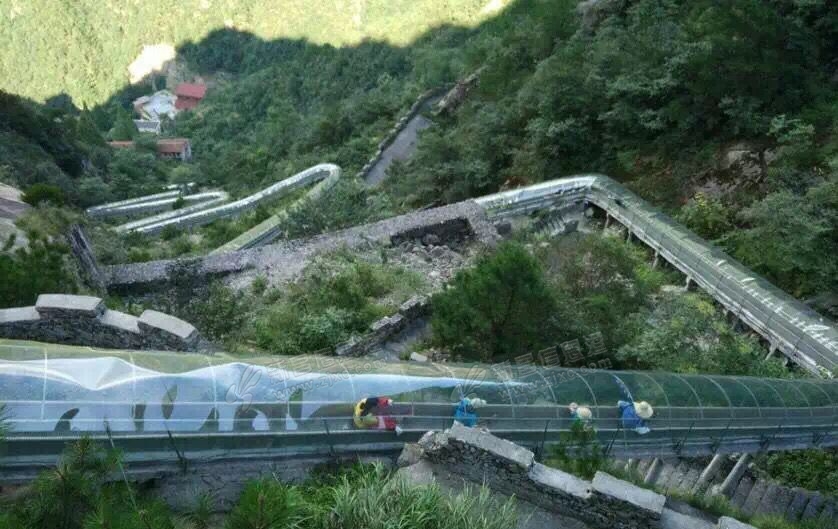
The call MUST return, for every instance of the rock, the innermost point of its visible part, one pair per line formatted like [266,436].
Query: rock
[411,454]
[438,252]
[503,227]
[430,239]
[745,160]
[416,357]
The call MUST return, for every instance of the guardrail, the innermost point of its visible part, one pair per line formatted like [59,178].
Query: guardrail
[804,336]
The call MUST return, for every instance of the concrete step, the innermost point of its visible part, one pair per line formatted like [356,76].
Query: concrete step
[813,508]
[755,497]
[690,479]
[665,474]
[829,511]
[741,492]
[775,501]
[798,504]
[676,476]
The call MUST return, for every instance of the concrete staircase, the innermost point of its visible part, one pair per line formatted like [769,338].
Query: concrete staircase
[749,494]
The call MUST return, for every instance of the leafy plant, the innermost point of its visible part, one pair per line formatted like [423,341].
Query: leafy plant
[578,451]
[268,504]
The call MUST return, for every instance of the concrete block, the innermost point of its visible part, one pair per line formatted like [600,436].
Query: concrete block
[153,321]
[411,454]
[66,305]
[121,321]
[813,508]
[726,522]
[19,315]
[416,357]
[550,478]
[623,491]
[798,503]
[776,500]
[755,497]
[742,491]
[500,448]
[675,520]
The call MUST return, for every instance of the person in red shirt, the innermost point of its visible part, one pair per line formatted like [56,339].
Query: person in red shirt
[364,416]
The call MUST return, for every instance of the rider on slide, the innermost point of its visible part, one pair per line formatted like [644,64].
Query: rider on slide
[364,417]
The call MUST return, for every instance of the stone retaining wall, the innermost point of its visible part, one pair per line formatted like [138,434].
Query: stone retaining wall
[605,502]
[84,320]
[83,252]
[385,328]
[417,106]
[283,260]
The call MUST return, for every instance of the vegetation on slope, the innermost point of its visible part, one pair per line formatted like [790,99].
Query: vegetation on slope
[83,47]
[75,496]
[655,93]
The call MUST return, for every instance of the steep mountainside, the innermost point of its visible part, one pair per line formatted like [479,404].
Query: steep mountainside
[83,47]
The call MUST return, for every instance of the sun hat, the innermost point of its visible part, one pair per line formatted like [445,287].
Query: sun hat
[584,413]
[477,402]
[643,409]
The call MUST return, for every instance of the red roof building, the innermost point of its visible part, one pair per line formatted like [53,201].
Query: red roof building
[189,95]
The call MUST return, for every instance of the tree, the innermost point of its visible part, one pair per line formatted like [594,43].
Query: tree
[706,216]
[496,309]
[686,334]
[788,237]
[124,128]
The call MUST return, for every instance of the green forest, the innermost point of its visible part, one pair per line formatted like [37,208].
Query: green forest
[723,113]
[659,94]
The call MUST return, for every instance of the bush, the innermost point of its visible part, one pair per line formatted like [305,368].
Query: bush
[335,298]
[686,334]
[43,193]
[268,504]
[578,452]
[35,270]
[376,501]
[494,310]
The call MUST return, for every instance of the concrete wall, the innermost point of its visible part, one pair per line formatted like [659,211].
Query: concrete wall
[83,252]
[603,503]
[385,328]
[84,320]
[417,107]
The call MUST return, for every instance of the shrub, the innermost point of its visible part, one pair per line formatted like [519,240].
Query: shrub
[268,504]
[495,309]
[578,452]
[41,193]
[376,501]
[31,271]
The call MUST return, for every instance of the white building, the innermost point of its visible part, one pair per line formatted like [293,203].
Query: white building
[158,104]
[148,125]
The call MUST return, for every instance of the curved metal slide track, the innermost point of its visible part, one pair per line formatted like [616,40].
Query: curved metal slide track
[211,206]
[793,328]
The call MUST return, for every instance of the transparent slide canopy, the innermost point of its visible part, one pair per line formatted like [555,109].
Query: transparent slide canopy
[60,392]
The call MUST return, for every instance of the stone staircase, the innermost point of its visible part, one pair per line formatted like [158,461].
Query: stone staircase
[748,493]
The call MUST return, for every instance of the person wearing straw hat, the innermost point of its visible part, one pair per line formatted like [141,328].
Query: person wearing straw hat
[633,414]
[581,414]
[465,412]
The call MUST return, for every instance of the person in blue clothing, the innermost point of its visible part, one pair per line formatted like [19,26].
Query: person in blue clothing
[466,411]
[634,414]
